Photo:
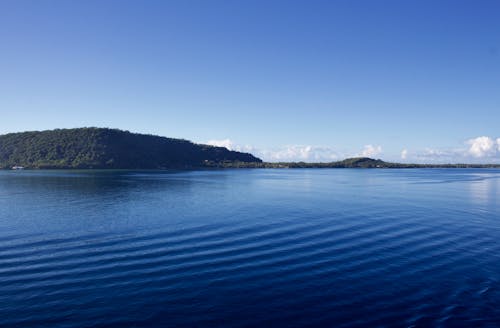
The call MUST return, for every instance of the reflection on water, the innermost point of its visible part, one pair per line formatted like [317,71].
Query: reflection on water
[250,248]
[485,190]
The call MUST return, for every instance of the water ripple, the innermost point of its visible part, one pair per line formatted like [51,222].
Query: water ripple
[257,248]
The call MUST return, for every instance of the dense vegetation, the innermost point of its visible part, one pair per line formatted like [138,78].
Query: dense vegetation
[108,148]
[356,162]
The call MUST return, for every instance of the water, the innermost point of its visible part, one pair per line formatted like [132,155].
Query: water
[244,248]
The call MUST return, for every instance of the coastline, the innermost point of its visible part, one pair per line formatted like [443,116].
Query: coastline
[268,165]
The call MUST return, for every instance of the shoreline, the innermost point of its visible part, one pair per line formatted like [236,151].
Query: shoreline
[264,166]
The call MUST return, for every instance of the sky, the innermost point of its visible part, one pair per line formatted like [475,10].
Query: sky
[406,81]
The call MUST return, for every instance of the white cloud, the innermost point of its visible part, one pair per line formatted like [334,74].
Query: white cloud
[404,154]
[221,143]
[430,155]
[478,150]
[475,150]
[299,153]
[482,147]
[371,151]
[305,153]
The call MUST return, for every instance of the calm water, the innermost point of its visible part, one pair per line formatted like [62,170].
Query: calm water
[250,248]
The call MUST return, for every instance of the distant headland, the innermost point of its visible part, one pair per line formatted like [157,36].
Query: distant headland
[103,148]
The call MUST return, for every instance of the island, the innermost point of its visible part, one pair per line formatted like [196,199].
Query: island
[104,148]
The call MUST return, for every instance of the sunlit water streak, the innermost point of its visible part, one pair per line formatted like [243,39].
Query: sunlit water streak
[250,248]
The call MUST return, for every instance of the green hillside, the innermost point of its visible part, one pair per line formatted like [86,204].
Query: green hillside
[108,148]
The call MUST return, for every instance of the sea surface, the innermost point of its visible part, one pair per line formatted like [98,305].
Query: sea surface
[250,247]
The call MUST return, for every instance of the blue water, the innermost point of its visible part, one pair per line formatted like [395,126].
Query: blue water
[238,248]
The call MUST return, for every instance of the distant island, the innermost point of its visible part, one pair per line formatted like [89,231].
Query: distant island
[103,148]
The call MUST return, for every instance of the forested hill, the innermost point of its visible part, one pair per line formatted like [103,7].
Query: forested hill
[108,148]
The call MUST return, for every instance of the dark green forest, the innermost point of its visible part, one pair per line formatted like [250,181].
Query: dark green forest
[85,148]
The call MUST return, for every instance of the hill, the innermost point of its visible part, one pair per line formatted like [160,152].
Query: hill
[108,148]
[361,162]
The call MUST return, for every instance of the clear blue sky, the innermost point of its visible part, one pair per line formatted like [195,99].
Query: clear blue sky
[285,79]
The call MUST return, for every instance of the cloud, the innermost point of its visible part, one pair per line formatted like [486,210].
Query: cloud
[404,154]
[299,153]
[477,150]
[227,143]
[430,155]
[296,153]
[482,147]
[371,151]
